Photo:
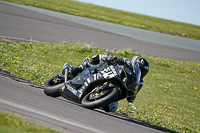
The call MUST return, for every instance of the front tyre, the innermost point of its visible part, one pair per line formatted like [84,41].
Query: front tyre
[52,86]
[92,100]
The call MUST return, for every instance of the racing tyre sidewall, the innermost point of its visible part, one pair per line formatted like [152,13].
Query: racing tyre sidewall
[52,90]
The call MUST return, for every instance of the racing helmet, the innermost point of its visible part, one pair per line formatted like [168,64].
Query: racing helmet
[142,63]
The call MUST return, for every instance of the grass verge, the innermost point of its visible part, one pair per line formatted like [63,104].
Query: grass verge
[10,123]
[116,16]
[170,97]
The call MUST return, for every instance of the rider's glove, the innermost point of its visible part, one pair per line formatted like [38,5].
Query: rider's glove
[111,60]
[85,62]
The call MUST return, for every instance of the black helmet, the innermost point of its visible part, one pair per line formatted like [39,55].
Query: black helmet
[94,60]
[142,63]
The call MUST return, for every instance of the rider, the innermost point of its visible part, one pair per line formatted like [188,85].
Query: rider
[99,60]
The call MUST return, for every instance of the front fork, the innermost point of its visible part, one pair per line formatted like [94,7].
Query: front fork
[66,68]
[66,74]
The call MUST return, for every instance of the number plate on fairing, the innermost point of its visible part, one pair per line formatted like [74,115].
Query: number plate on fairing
[109,72]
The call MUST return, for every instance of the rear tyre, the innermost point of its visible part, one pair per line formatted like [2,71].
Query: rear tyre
[92,101]
[51,88]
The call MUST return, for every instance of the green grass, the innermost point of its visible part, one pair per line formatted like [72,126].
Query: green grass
[10,123]
[116,16]
[170,97]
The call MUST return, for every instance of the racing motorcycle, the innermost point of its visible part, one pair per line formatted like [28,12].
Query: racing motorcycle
[95,86]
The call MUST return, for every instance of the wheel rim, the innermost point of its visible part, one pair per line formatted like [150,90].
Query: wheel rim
[55,81]
[95,96]
[101,100]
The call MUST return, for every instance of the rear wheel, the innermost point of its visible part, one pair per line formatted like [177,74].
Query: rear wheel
[98,99]
[52,86]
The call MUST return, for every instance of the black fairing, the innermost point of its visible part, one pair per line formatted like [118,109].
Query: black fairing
[91,77]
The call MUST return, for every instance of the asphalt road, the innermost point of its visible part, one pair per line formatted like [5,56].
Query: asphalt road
[64,115]
[19,22]
[42,25]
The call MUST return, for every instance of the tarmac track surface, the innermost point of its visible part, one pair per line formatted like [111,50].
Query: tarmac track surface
[26,99]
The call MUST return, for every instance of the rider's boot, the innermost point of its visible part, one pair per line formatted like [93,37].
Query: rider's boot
[131,99]
[112,107]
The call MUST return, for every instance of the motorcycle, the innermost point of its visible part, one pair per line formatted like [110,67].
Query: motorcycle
[95,86]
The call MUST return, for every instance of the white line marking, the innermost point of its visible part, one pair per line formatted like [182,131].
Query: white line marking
[21,39]
[49,116]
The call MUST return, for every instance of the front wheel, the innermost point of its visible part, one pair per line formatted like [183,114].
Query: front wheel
[52,86]
[94,100]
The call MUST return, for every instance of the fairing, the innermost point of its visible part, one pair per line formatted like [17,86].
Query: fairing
[91,77]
